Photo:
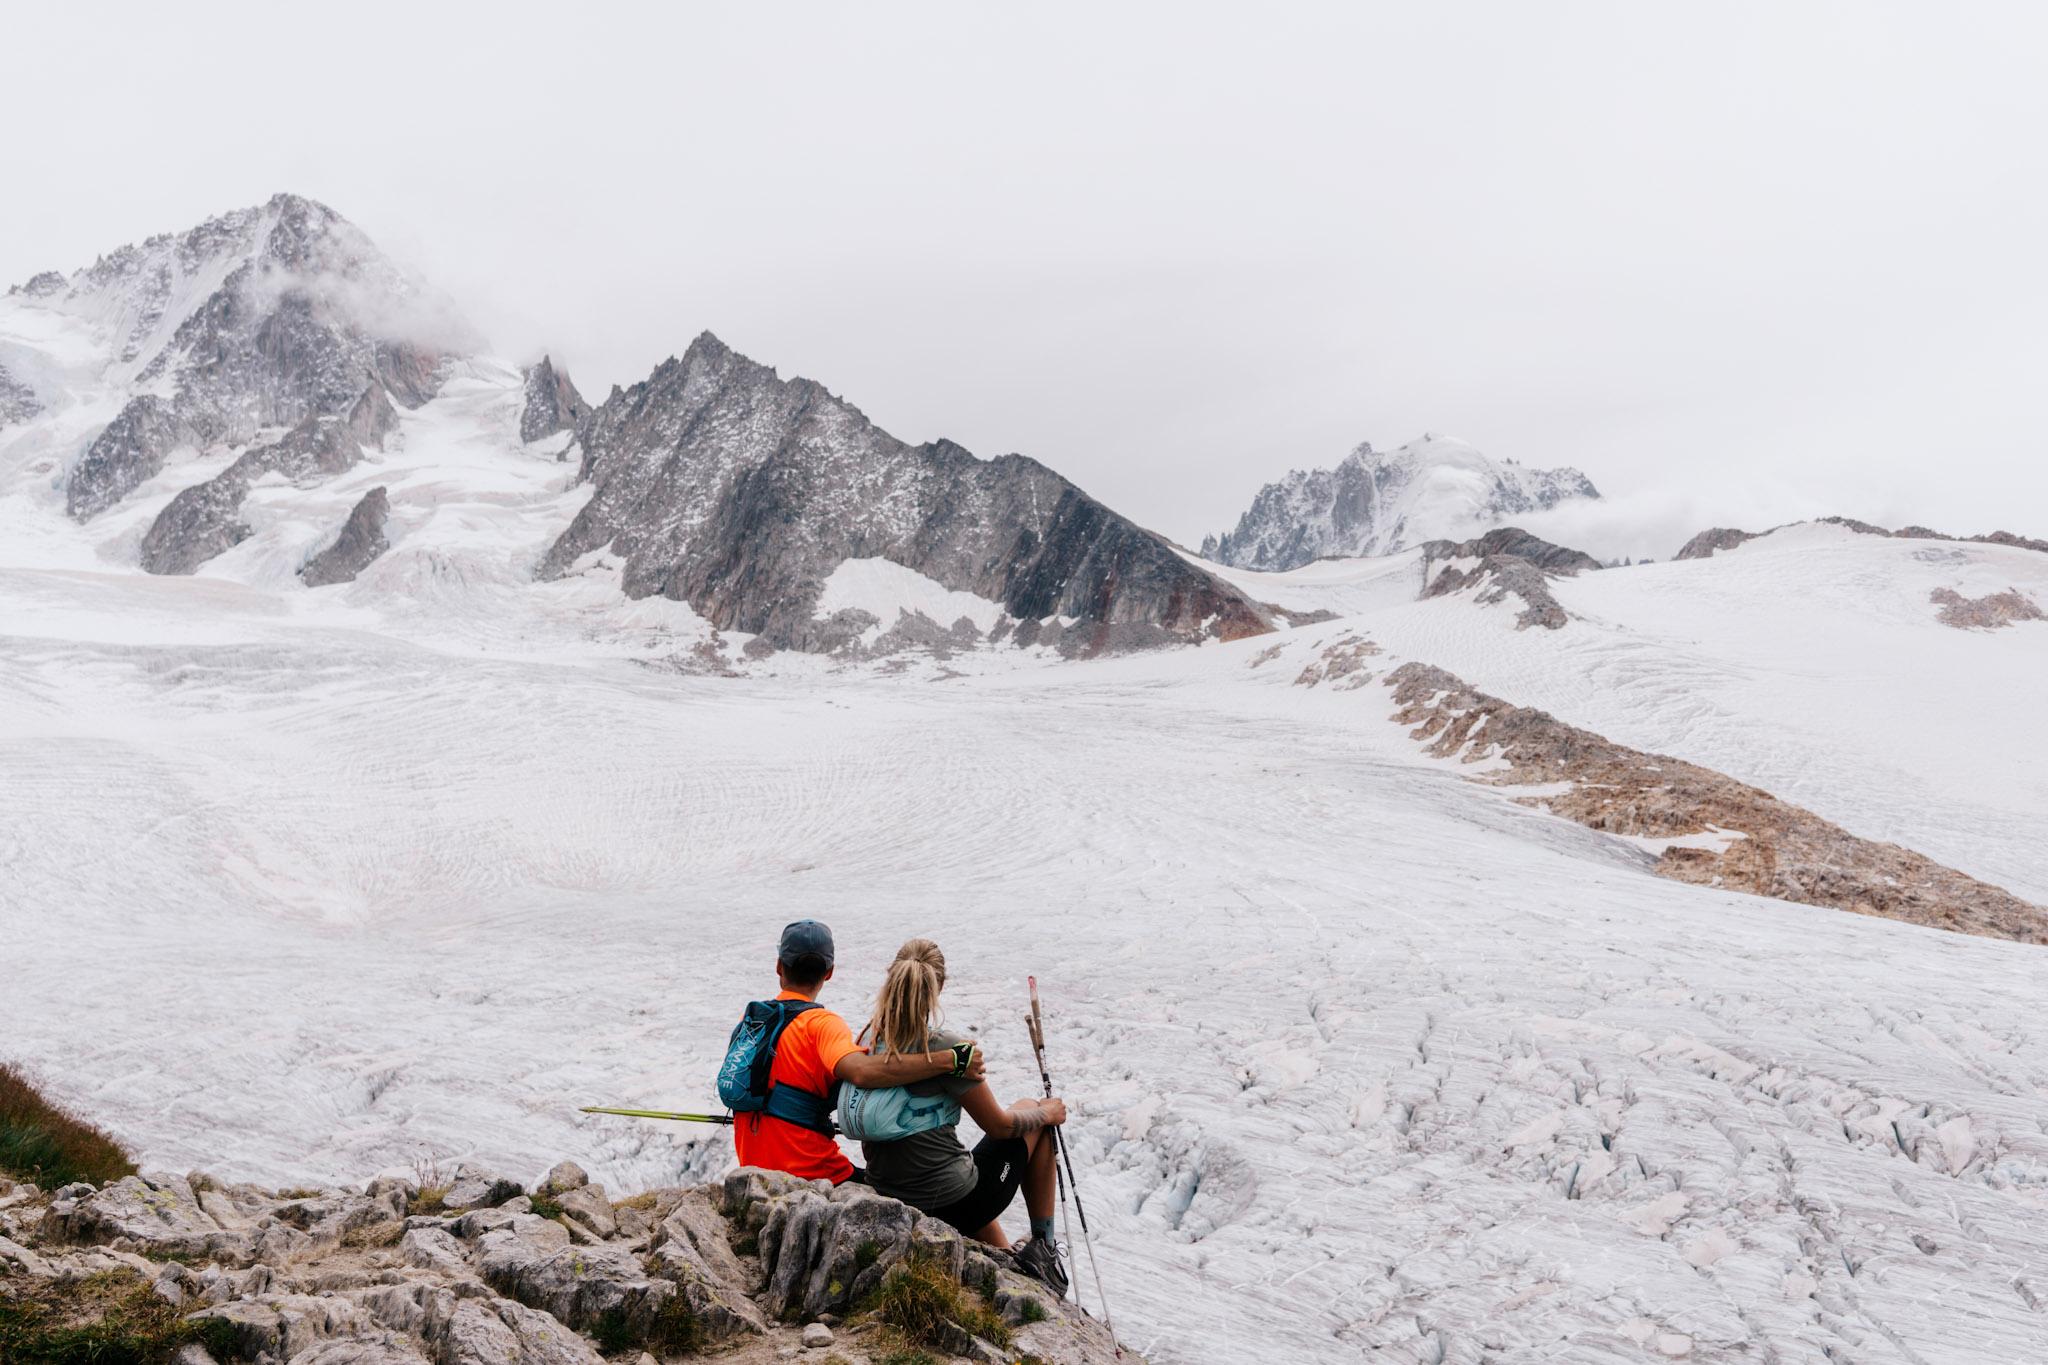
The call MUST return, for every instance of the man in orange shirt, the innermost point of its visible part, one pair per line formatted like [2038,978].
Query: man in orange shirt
[817,1049]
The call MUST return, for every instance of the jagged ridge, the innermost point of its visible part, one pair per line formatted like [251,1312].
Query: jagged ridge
[725,486]
[1375,503]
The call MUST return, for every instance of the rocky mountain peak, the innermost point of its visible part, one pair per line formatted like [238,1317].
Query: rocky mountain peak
[257,319]
[721,484]
[1376,502]
[552,403]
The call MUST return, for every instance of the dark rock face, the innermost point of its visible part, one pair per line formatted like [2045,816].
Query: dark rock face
[552,403]
[361,540]
[205,519]
[127,452]
[1703,545]
[1511,562]
[736,491]
[307,312]
[40,286]
[18,402]
[1376,502]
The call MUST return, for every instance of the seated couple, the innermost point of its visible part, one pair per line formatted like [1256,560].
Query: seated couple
[929,1170]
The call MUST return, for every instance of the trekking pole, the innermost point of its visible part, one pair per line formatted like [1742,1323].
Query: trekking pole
[1059,1177]
[1037,1022]
[658,1114]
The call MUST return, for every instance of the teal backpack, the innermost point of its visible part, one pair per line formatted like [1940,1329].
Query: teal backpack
[892,1114]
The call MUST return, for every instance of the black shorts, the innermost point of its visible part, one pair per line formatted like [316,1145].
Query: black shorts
[999,1164]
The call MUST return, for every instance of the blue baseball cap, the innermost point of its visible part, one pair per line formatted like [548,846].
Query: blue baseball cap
[805,938]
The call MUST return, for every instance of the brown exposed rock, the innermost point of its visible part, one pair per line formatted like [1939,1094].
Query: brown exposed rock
[1781,850]
[1992,612]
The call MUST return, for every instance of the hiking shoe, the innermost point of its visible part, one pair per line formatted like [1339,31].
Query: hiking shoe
[1041,1261]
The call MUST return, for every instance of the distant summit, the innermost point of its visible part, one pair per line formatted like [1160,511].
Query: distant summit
[259,319]
[1374,503]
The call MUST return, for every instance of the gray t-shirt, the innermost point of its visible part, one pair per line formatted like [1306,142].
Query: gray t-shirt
[930,1169]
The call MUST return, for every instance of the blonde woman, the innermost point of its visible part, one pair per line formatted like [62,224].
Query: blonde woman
[931,1170]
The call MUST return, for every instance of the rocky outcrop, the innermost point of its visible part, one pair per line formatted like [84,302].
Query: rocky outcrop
[128,452]
[1703,826]
[40,286]
[758,1267]
[722,485]
[1703,545]
[1503,563]
[205,519]
[1992,612]
[307,313]
[1376,502]
[552,403]
[361,540]
[18,402]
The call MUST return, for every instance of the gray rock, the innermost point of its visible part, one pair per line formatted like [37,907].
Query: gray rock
[1703,545]
[361,541]
[15,1256]
[816,1336]
[494,1332]
[724,486]
[128,451]
[205,519]
[696,1253]
[193,1355]
[18,402]
[822,1255]
[40,286]
[158,1215]
[433,1249]
[385,1349]
[562,1177]
[476,1188]
[578,1285]
[552,403]
[587,1205]
[287,1324]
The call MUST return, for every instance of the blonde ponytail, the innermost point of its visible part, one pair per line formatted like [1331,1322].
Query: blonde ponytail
[909,1003]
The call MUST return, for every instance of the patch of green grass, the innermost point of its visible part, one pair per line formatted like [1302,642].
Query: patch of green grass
[909,1357]
[921,1300]
[1032,1310]
[643,1202]
[747,1244]
[866,1254]
[546,1207]
[112,1318]
[672,1330]
[430,1199]
[46,1144]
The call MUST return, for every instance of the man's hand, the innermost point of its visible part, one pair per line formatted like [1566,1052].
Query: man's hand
[976,1067]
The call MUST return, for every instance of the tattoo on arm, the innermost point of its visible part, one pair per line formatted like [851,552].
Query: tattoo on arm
[1024,1122]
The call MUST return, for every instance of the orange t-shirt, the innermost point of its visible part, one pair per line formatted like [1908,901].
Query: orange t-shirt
[811,1047]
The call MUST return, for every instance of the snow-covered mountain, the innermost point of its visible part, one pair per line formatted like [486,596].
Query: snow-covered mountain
[721,484]
[271,351]
[261,318]
[1424,986]
[1376,502]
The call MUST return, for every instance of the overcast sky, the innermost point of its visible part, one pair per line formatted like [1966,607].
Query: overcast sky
[1738,263]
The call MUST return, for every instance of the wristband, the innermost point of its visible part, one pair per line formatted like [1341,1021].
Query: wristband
[963,1053]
